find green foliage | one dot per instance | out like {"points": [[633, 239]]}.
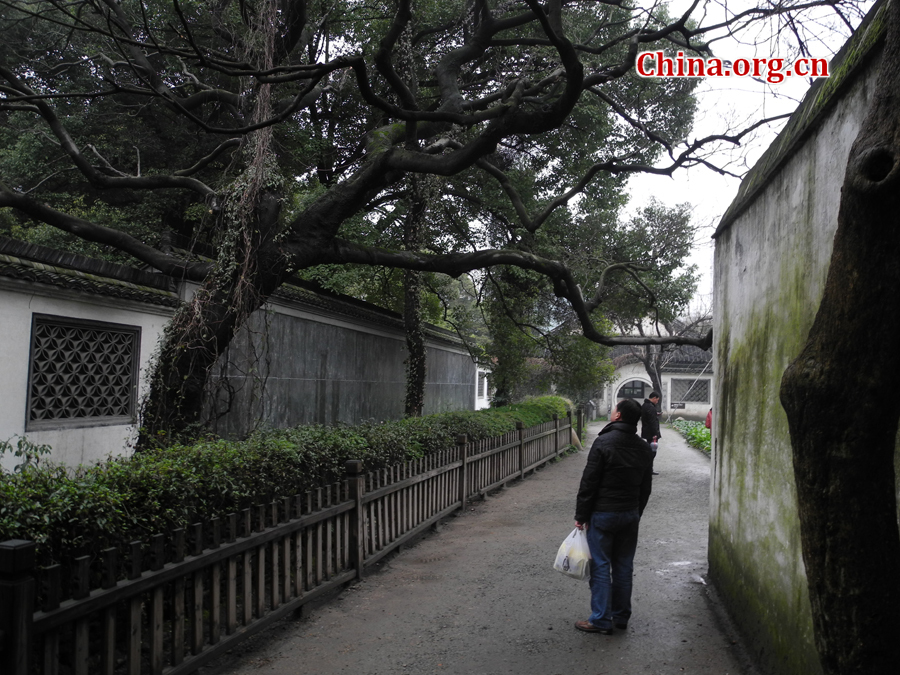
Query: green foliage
{"points": [[62, 511], [695, 433], [580, 367], [82, 511], [29, 453], [537, 410], [664, 236]]}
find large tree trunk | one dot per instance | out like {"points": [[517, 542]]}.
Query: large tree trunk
{"points": [[203, 328], [258, 261], [843, 409], [416, 361]]}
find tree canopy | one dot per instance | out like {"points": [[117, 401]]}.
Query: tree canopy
{"points": [[286, 134]]}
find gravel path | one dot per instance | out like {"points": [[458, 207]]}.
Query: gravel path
{"points": [[481, 598]]}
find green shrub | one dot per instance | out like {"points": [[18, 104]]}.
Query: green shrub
{"points": [[695, 433], [81, 511]]}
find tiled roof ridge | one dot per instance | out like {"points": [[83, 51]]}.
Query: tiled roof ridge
{"points": [[311, 294], [81, 263], [40, 263], [19, 268]]}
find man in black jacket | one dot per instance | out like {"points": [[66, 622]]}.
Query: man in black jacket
{"points": [[650, 413], [614, 490]]}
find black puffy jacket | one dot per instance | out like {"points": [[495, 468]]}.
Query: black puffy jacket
{"points": [[649, 421], [618, 475]]}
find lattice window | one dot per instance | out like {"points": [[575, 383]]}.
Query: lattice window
{"points": [[690, 391], [82, 373]]}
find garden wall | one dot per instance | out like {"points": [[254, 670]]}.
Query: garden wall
{"points": [[307, 357], [336, 362]]}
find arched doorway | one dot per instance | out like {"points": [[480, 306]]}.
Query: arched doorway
{"points": [[636, 389]]}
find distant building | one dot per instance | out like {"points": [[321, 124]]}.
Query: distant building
{"points": [[687, 382]]}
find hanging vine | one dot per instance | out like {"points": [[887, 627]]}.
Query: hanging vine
{"points": [[247, 222]]}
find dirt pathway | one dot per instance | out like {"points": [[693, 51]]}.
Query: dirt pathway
{"points": [[481, 598]]}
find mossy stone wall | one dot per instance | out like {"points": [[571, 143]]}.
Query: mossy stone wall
{"points": [[770, 268]]}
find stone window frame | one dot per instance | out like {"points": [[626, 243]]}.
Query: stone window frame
{"points": [[72, 422], [692, 385]]}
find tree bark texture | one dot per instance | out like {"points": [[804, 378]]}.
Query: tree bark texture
{"points": [[416, 360], [201, 331], [843, 410], [651, 358]]}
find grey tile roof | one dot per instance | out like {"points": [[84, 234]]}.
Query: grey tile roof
{"points": [[35, 264]]}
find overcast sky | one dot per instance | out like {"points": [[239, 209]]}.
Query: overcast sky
{"points": [[728, 103]]}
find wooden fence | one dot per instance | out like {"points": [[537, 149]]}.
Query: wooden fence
{"points": [[188, 597]]}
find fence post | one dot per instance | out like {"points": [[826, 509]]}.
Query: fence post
{"points": [[16, 605], [520, 427], [356, 481], [462, 441], [556, 434], [579, 420]]}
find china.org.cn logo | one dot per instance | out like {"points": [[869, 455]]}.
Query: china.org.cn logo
{"points": [[772, 70]]}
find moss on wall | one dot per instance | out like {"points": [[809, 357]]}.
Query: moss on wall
{"points": [[754, 544], [770, 272], [771, 264]]}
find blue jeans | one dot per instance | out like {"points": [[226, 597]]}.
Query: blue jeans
{"points": [[612, 538]]}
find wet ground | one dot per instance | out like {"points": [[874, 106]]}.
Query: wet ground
{"points": [[480, 597]]}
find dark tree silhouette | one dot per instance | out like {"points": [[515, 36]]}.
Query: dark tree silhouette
{"points": [[843, 413]]}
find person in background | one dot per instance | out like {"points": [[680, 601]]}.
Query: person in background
{"points": [[614, 490], [650, 413], [709, 419]]}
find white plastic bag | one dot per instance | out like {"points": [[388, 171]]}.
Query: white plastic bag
{"points": [[574, 556]]}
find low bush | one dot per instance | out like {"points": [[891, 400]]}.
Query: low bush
{"points": [[695, 433], [81, 511]]}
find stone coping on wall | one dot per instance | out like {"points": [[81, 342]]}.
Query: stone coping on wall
{"points": [[310, 294], [852, 59]]}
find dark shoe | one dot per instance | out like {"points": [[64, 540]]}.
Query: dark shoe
{"points": [[656, 473], [588, 627], [621, 626]]}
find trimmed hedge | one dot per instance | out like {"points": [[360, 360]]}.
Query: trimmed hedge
{"points": [[70, 512]]}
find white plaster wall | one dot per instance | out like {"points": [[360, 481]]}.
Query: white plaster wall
{"points": [[770, 268], [18, 302], [692, 409], [482, 393]]}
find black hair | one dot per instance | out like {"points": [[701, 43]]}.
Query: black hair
{"points": [[630, 410], [654, 394]]}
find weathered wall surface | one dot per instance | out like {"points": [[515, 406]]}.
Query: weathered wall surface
{"points": [[319, 367], [771, 261]]}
